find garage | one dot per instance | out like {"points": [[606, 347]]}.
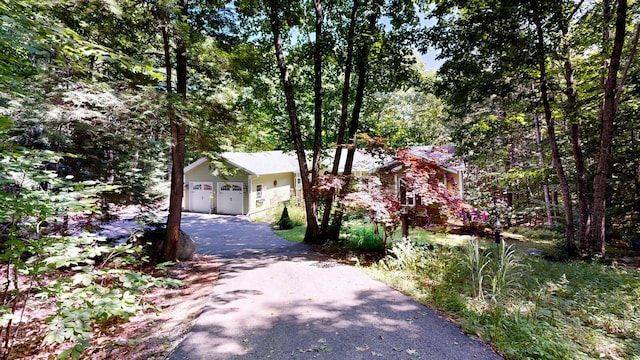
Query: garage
{"points": [[230, 198], [200, 196]]}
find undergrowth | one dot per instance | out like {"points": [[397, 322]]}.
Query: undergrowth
{"points": [[45, 260], [361, 237], [525, 306]]}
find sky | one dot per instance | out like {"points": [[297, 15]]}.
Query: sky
{"points": [[429, 58], [430, 61]]}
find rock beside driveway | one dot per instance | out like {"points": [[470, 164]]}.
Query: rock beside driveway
{"points": [[186, 245]]}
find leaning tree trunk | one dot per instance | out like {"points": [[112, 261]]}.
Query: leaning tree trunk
{"points": [[312, 233], [178, 136], [555, 152], [609, 108]]}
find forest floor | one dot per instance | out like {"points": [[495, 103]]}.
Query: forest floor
{"points": [[150, 335]]}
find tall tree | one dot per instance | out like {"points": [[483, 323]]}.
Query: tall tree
{"points": [[176, 124], [340, 44], [556, 156], [557, 52], [612, 89], [310, 198]]}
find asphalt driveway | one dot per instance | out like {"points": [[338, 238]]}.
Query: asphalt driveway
{"points": [[278, 300]]}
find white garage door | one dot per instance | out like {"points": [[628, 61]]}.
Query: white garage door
{"points": [[230, 199], [200, 196]]}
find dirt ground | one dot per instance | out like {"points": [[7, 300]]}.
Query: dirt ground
{"points": [[151, 335]]}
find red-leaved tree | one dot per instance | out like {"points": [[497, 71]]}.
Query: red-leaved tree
{"points": [[386, 196]]}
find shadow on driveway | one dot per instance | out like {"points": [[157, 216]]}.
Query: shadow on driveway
{"points": [[279, 300]]}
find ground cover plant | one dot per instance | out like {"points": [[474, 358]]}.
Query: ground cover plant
{"points": [[62, 281], [514, 298]]}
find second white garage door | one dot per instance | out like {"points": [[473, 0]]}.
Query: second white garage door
{"points": [[230, 198]]}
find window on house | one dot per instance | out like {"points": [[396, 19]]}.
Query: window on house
{"points": [[259, 192], [410, 199]]}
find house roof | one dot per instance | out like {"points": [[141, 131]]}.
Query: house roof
{"points": [[195, 164], [440, 155], [362, 160], [264, 162], [258, 163], [275, 162]]}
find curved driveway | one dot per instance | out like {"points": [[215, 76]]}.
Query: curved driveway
{"points": [[278, 300]]}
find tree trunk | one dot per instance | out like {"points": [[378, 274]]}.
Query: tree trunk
{"points": [[362, 68], [545, 188], [578, 157], [317, 236], [609, 108], [317, 93], [312, 233], [344, 113], [555, 153], [178, 136]]}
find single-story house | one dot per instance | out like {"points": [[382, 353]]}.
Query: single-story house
{"points": [[256, 181], [262, 180]]}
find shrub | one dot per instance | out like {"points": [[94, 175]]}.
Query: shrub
{"points": [[285, 222], [405, 255], [363, 238], [360, 236]]}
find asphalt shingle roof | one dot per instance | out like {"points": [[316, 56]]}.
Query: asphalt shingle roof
{"points": [[275, 162], [264, 162]]}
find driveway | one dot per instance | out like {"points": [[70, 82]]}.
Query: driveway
{"points": [[278, 300]]}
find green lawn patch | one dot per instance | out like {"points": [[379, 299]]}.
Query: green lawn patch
{"points": [[295, 235]]}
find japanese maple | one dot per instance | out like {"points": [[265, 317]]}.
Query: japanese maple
{"points": [[433, 203]]}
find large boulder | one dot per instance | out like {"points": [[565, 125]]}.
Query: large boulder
{"points": [[186, 247], [155, 240]]}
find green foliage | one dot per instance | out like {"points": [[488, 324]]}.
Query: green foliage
{"points": [[503, 273], [559, 310], [295, 214], [406, 118], [285, 221], [405, 255], [97, 293], [90, 281], [476, 261], [361, 236], [481, 264]]}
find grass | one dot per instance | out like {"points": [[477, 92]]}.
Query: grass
{"points": [[295, 235], [360, 237], [544, 310]]}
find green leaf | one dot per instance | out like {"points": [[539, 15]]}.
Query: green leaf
{"points": [[5, 123]]}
